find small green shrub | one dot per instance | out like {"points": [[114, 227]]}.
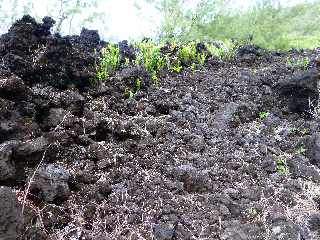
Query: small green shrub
{"points": [[263, 115], [282, 166], [293, 130], [127, 62], [299, 63], [301, 149], [109, 62], [188, 53], [155, 79], [173, 64], [149, 55], [201, 58], [303, 131], [193, 68], [176, 69]]}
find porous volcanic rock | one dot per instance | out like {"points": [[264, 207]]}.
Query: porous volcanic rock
{"points": [[55, 60], [7, 164], [301, 92], [11, 221], [50, 183]]}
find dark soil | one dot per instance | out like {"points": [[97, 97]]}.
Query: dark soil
{"points": [[191, 158]]}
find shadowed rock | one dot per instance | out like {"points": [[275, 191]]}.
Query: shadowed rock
{"points": [[12, 87], [250, 53], [127, 51], [301, 92], [313, 149], [10, 215], [7, 165]]}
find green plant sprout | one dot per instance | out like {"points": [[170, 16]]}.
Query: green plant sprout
{"points": [[173, 64], [293, 130], [193, 68], [263, 115], [201, 58], [176, 69], [127, 62], [303, 131], [155, 79], [110, 61], [128, 93], [252, 212], [301, 148], [300, 63], [138, 85], [282, 166]]}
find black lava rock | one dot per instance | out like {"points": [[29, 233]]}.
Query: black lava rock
{"points": [[301, 92]]}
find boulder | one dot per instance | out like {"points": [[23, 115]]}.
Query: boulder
{"points": [[57, 116], [16, 121], [313, 149], [11, 220], [301, 167], [244, 232], [163, 231], [301, 92], [250, 53], [7, 165], [314, 222], [286, 230], [12, 87], [234, 114], [50, 183], [31, 152], [127, 51]]}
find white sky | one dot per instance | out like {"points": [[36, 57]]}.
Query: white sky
{"points": [[126, 22], [122, 19]]}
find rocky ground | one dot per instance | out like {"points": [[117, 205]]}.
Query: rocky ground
{"points": [[228, 152]]}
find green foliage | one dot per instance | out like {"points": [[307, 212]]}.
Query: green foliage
{"points": [[149, 55], [131, 93], [155, 79], [193, 68], [305, 131], [188, 53], [225, 52], [299, 63], [201, 58], [215, 51], [302, 132], [263, 115], [127, 62], [267, 23], [293, 130], [176, 69], [282, 166], [301, 148], [137, 85], [109, 62]]}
